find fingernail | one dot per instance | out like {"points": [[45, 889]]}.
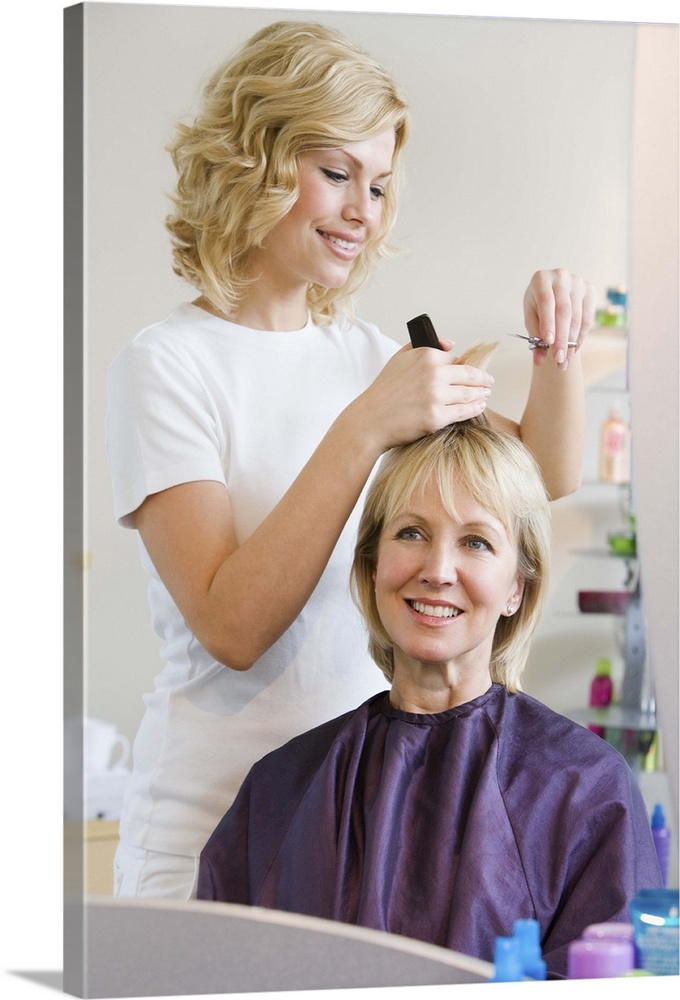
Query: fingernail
{"points": [[487, 392], [559, 357]]}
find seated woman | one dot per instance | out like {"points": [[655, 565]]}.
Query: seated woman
{"points": [[451, 805]]}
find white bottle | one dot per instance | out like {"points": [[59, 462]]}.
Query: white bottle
{"points": [[615, 449]]}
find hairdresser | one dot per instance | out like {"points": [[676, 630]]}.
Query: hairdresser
{"points": [[243, 427], [453, 804]]}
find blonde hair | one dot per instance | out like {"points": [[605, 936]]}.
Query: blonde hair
{"points": [[294, 86], [501, 475]]}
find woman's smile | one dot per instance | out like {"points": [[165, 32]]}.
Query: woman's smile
{"points": [[435, 610], [342, 246]]}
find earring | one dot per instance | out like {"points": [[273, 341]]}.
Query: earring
{"points": [[510, 609]]}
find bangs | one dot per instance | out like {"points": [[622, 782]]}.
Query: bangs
{"points": [[453, 463]]}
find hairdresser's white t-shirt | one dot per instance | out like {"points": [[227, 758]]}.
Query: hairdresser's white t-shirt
{"points": [[197, 398]]}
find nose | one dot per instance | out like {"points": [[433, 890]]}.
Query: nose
{"points": [[361, 206], [439, 567]]}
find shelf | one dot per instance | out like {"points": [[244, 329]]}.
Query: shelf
{"points": [[616, 717], [604, 482], [603, 554], [587, 615]]}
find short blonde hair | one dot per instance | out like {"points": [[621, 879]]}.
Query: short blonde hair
{"points": [[502, 476], [294, 86]]}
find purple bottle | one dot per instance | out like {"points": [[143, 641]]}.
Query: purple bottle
{"points": [[600, 958]]}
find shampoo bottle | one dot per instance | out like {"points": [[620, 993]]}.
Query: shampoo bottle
{"points": [[614, 449], [601, 690], [662, 841]]}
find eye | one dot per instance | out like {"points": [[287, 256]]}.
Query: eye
{"points": [[334, 175], [409, 534], [478, 544], [377, 192]]}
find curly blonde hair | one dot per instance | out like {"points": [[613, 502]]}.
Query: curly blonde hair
{"points": [[501, 475], [293, 86]]}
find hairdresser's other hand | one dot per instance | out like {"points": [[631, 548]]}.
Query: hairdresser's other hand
{"points": [[419, 391], [558, 307]]}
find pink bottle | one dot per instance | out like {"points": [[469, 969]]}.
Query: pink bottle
{"points": [[601, 690]]}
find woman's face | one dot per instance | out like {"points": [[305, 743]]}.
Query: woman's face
{"points": [[441, 586], [337, 213]]}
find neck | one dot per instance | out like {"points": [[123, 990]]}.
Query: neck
{"points": [[428, 688], [283, 316]]}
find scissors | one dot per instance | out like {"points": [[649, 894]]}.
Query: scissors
{"points": [[536, 342]]}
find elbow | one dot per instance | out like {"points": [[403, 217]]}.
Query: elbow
{"points": [[238, 665], [230, 653], [233, 659], [563, 486]]}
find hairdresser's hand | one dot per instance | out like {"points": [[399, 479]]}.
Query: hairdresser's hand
{"points": [[419, 392], [559, 307]]}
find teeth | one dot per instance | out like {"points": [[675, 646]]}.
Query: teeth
{"points": [[345, 244], [435, 611]]}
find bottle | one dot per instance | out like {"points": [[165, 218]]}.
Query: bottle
{"points": [[662, 840], [654, 914], [600, 958], [601, 690], [613, 930], [527, 932], [615, 313], [614, 449], [507, 961]]}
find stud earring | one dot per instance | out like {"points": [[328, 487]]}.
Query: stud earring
{"points": [[510, 609]]}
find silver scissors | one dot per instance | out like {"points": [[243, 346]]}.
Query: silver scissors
{"points": [[536, 342]]}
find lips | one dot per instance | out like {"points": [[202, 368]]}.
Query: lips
{"points": [[350, 246], [435, 610]]}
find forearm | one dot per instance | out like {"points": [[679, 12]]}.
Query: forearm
{"points": [[264, 584], [553, 424]]}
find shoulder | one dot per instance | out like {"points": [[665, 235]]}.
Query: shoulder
{"points": [[181, 326], [543, 737], [174, 351], [363, 335]]}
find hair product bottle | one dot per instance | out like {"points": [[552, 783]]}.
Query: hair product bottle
{"points": [[601, 690], [662, 841], [600, 958], [614, 448]]}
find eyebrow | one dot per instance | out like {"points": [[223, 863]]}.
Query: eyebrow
{"points": [[483, 526]]}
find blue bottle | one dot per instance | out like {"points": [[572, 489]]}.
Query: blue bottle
{"points": [[507, 961], [527, 932], [662, 841]]}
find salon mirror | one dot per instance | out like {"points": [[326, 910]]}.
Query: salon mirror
{"points": [[523, 156]]}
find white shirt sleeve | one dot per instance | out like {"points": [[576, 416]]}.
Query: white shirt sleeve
{"points": [[161, 428]]}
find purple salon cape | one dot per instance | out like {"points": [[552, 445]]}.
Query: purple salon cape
{"points": [[443, 827]]}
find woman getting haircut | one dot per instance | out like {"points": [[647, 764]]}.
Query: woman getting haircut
{"points": [[243, 427], [452, 804]]}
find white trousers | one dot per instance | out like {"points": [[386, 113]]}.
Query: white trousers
{"points": [[138, 872]]}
